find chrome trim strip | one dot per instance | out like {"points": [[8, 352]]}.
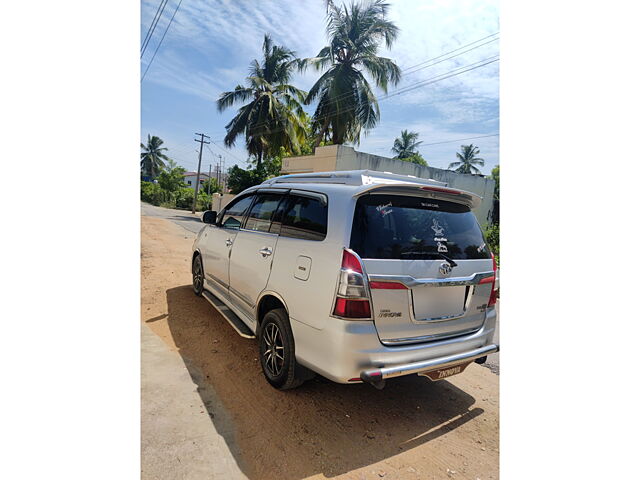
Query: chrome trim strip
{"points": [[376, 374], [218, 281], [246, 300], [411, 282], [425, 338]]}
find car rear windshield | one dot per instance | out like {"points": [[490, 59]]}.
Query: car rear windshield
{"points": [[408, 228]]}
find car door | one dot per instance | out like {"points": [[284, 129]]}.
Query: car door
{"points": [[219, 239], [253, 252]]}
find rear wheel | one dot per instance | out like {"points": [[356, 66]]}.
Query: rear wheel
{"points": [[198, 275], [277, 351]]}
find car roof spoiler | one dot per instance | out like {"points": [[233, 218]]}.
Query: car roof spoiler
{"points": [[428, 191]]}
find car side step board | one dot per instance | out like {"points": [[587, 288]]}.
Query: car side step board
{"points": [[233, 319]]}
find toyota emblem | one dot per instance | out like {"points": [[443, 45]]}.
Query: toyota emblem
{"points": [[445, 268]]}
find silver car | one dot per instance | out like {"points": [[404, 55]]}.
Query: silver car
{"points": [[358, 276]]}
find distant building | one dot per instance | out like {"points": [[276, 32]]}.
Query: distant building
{"points": [[190, 178], [340, 157]]}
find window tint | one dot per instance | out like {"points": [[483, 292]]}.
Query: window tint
{"points": [[259, 218], [232, 217], [305, 218], [408, 228]]}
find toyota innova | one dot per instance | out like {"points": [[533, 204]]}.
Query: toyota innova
{"points": [[358, 276]]}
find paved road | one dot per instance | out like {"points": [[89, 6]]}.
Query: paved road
{"points": [[184, 218], [193, 223]]}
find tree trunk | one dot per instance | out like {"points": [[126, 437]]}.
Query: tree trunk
{"points": [[322, 132]]}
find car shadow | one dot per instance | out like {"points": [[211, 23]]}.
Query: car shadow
{"points": [[334, 428], [184, 217]]}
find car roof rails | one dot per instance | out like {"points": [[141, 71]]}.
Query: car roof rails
{"points": [[353, 177]]}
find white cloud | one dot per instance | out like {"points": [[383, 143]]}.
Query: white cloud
{"points": [[210, 45]]}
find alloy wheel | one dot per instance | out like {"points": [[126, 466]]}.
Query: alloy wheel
{"points": [[198, 277], [273, 349]]}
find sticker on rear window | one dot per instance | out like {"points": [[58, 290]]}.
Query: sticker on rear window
{"points": [[442, 248], [384, 209], [437, 229]]}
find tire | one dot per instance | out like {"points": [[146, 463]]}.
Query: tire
{"points": [[197, 273], [277, 351]]}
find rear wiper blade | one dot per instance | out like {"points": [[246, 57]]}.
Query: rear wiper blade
{"points": [[437, 254]]}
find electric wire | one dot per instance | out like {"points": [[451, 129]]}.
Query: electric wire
{"points": [[160, 43], [152, 27]]}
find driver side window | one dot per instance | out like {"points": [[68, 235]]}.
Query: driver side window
{"points": [[232, 215]]}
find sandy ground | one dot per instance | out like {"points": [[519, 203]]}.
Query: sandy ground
{"points": [[413, 428]]}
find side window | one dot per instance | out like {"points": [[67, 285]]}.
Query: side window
{"points": [[259, 218], [232, 216], [304, 218]]}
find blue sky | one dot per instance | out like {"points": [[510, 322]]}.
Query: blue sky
{"points": [[209, 46]]}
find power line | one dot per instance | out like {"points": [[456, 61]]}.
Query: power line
{"points": [[449, 58], [345, 95], [452, 51], [152, 27], [160, 43], [409, 88], [227, 151], [459, 140], [444, 76]]}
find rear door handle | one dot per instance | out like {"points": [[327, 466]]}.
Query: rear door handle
{"points": [[265, 251], [228, 242]]}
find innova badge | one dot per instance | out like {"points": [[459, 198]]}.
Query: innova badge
{"points": [[445, 268]]}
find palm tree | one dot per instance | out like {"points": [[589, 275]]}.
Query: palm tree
{"points": [[468, 160], [346, 103], [405, 145], [152, 156], [270, 119]]}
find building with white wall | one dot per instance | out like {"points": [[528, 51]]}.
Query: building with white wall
{"points": [[340, 157]]}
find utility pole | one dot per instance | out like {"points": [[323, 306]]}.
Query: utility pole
{"points": [[218, 169], [221, 173], [223, 179], [209, 182], [195, 194]]}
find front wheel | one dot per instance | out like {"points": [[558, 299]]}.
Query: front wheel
{"points": [[198, 275], [277, 351]]}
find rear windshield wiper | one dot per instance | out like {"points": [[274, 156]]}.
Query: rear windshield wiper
{"points": [[437, 254]]}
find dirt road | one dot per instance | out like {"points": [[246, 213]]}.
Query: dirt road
{"points": [[411, 429]]}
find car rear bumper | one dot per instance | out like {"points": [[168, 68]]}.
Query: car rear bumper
{"points": [[376, 375], [343, 350]]}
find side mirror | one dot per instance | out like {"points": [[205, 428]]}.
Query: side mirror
{"points": [[209, 217]]}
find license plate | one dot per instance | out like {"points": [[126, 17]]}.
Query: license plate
{"points": [[445, 372]]}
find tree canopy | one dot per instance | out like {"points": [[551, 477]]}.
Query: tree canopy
{"points": [[346, 102], [271, 117], [152, 157], [467, 160]]}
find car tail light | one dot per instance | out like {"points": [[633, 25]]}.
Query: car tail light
{"points": [[494, 293], [352, 296]]}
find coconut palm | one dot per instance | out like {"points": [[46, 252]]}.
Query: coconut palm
{"points": [[406, 145], [346, 103], [467, 161], [270, 119], [152, 157]]}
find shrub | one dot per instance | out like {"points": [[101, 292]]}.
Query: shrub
{"points": [[492, 236], [184, 198], [152, 193]]}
